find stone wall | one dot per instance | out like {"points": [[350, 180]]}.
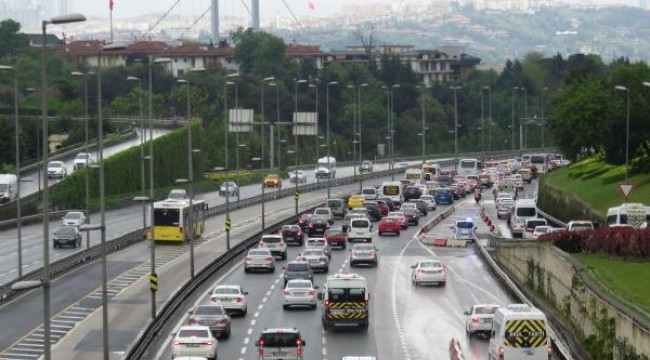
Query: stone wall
{"points": [[553, 276]]}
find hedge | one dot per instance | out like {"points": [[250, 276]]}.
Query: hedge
{"points": [[617, 241]]}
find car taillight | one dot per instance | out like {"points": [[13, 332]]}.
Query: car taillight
{"points": [[213, 298], [326, 303], [311, 225], [268, 259], [354, 253], [501, 352], [176, 342], [222, 321], [474, 319], [327, 225], [262, 245], [367, 303], [286, 293], [420, 271], [248, 259], [239, 299], [312, 292], [192, 321], [209, 343], [414, 216], [442, 271]]}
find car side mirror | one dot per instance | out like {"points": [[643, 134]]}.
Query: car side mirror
{"points": [[245, 292], [303, 342], [465, 312], [316, 286], [412, 266]]}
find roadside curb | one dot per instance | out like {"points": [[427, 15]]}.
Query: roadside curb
{"points": [[435, 241]]}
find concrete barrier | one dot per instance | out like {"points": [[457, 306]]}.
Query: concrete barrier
{"points": [[457, 243], [455, 353]]}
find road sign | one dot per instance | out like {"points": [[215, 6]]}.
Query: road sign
{"points": [[153, 282], [228, 224], [626, 188], [296, 195], [360, 177]]}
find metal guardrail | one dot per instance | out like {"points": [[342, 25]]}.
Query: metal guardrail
{"points": [[554, 221]]}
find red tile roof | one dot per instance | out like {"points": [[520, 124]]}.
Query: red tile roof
{"points": [[297, 49]]}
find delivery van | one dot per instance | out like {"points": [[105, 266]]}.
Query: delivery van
{"points": [[519, 332]]}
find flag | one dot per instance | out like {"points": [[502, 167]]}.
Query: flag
{"points": [[111, 4], [311, 5]]}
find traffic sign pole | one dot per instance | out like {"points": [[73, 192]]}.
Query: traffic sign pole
{"points": [[626, 189]]}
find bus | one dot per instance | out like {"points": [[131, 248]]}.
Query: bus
{"points": [[631, 214], [393, 191], [415, 176], [171, 219], [540, 161], [468, 167]]}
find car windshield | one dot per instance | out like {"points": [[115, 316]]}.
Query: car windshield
{"points": [[72, 216], [291, 228], [485, 310], [464, 224], [209, 310], [363, 248], [312, 252], [542, 229], [259, 253], [389, 220], [299, 284], [347, 294], [334, 203], [271, 240], [65, 231], [280, 339], [430, 264], [526, 211], [3, 187], [395, 214], [581, 227], [408, 205], [305, 217], [319, 218], [298, 267], [369, 191], [360, 223], [535, 223], [333, 232], [56, 165], [194, 333], [322, 211], [316, 242], [226, 291], [228, 184]]}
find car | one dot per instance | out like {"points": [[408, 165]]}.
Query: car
{"points": [[74, 218], [360, 229], [412, 215], [81, 159], [580, 225], [297, 270], [346, 220], [355, 201], [280, 343], [540, 230], [444, 195], [412, 192], [66, 235], [259, 259], [316, 258], [298, 176], [478, 319], [304, 220], [370, 193], [325, 211], [213, 316], [359, 357], [276, 244], [299, 292], [56, 169], [232, 297], [229, 188], [319, 243], [318, 224], [383, 207], [366, 166], [504, 208], [399, 215], [428, 271], [194, 340], [361, 211], [429, 201], [374, 211], [503, 196], [336, 237], [364, 254], [532, 223], [177, 194], [273, 180], [292, 234], [420, 206], [389, 224], [338, 207], [390, 203]]}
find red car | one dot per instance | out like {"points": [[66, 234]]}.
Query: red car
{"points": [[383, 207], [336, 237], [304, 221], [390, 224]]}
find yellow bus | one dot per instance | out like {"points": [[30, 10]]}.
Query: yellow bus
{"points": [[171, 219]]}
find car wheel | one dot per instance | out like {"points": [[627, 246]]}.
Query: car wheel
{"points": [[326, 270], [243, 313], [285, 307], [226, 335], [398, 233], [313, 307], [273, 270], [55, 245], [443, 283], [380, 233], [246, 270]]}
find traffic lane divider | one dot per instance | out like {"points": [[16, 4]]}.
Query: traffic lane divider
{"points": [[455, 353]]}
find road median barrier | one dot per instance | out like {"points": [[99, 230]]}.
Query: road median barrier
{"points": [[455, 353], [494, 230], [456, 243], [436, 240]]}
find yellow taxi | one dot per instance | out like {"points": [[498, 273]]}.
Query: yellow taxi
{"points": [[355, 201], [273, 180]]}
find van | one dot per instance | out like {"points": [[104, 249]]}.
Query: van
{"points": [[526, 174], [634, 214], [345, 299], [360, 229], [519, 332], [369, 193], [8, 187], [524, 209], [338, 207]]}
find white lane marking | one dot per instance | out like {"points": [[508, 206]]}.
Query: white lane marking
{"points": [[249, 331], [253, 322], [264, 300], [246, 340], [257, 314], [243, 351], [268, 293], [393, 295]]}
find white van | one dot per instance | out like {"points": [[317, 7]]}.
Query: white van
{"points": [[524, 209], [393, 191], [326, 167], [369, 193], [519, 332], [618, 215], [360, 229], [8, 187]]}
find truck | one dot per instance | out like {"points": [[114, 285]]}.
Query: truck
{"points": [[326, 167], [8, 187]]}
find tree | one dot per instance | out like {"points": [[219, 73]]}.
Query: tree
{"points": [[11, 40], [261, 54]]}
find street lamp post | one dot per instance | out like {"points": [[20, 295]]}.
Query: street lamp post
{"points": [[423, 134], [142, 156], [490, 116], [295, 137], [522, 129], [455, 88], [45, 282], [512, 124], [226, 160], [262, 138], [627, 127], [359, 122], [482, 122], [315, 87], [257, 159], [354, 130], [327, 134]]}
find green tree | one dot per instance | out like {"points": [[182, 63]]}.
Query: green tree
{"points": [[261, 54], [11, 39]]}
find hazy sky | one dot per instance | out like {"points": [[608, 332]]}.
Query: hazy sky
{"points": [[129, 8]]}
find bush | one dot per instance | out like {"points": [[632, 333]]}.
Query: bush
{"points": [[614, 175], [624, 242], [592, 173]]}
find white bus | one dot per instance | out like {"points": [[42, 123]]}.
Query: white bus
{"points": [[468, 167], [393, 191], [540, 161], [416, 176]]}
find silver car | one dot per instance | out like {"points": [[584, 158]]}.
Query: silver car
{"points": [[316, 258], [213, 316], [232, 297], [364, 254], [230, 188], [299, 292], [478, 319], [429, 272], [56, 169], [257, 259], [74, 218], [194, 340], [319, 243]]}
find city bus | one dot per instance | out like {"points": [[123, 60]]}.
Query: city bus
{"points": [[468, 167], [540, 161], [415, 176], [171, 219]]}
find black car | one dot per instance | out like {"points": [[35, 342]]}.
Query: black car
{"points": [[66, 235], [389, 203], [293, 235], [412, 216], [304, 221], [297, 270], [318, 225], [374, 212], [412, 192]]}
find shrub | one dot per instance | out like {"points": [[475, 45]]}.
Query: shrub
{"points": [[614, 175], [625, 242]]}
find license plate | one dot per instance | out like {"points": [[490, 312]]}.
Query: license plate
{"points": [[529, 351], [300, 293], [280, 353], [192, 345]]}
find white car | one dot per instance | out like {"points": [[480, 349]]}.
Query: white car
{"points": [[56, 169], [259, 259], [177, 194], [325, 211], [316, 258], [429, 272], [276, 244], [229, 188], [194, 341], [300, 292], [364, 254], [74, 218], [232, 297], [479, 319], [319, 243], [540, 230], [429, 200], [298, 174], [81, 160]]}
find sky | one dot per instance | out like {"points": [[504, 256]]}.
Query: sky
{"points": [[268, 8]]}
